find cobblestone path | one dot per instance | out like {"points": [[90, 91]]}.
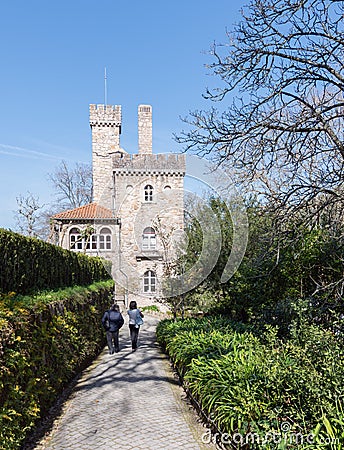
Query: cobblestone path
{"points": [[128, 401]]}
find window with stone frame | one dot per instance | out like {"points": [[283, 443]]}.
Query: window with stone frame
{"points": [[149, 239], [148, 193], [149, 282]]}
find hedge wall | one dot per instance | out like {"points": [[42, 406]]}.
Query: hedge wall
{"points": [[29, 264], [42, 348]]}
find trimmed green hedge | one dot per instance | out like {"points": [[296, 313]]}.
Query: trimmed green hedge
{"points": [[29, 264], [42, 348]]}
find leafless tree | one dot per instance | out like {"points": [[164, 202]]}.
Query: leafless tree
{"points": [[281, 134], [73, 188], [28, 214], [169, 266], [73, 185]]}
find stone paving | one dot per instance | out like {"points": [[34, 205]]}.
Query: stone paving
{"points": [[128, 401]]}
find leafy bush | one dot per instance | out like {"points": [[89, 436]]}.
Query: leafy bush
{"points": [[249, 383], [29, 264], [150, 308], [280, 267], [44, 343], [330, 434]]}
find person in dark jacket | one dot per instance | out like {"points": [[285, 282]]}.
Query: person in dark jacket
{"points": [[112, 321]]}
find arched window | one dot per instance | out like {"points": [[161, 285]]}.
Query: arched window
{"points": [[75, 239], [149, 282], [80, 240], [148, 239], [105, 239], [148, 193]]}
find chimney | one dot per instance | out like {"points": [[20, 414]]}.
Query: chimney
{"points": [[145, 129]]}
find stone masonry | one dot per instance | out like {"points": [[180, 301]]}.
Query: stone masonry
{"points": [[105, 122], [137, 213], [164, 213], [145, 129]]}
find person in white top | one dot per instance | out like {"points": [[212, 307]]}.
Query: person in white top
{"points": [[135, 319]]}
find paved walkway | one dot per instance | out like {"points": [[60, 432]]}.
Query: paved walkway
{"points": [[128, 401]]}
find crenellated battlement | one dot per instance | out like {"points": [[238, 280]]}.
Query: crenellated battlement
{"points": [[112, 165], [149, 163], [105, 115]]}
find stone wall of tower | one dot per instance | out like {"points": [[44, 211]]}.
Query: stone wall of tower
{"points": [[119, 181], [145, 129], [105, 122], [165, 173]]}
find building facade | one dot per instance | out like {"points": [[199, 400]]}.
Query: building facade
{"points": [[137, 214]]}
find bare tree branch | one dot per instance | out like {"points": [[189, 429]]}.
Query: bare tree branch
{"points": [[28, 214], [73, 186], [282, 136]]}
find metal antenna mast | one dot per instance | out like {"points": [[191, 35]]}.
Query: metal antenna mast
{"points": [[105, 87]]}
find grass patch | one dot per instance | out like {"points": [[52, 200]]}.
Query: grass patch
{"points": [[42, 298], [150, 308]]}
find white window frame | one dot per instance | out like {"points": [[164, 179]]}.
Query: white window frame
{"points": [[105, 239], [149, 239], [101, 241], [149, 282]]}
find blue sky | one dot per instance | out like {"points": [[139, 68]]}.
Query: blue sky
{"points": [[53, 56]]}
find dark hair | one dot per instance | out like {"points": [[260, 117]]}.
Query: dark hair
{"points": [[133, 305], [115, 307]]}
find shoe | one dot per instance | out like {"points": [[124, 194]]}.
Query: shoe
{"points": [[116, 350]]}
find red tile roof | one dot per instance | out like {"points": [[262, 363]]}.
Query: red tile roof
{"points": [[90, 211]]}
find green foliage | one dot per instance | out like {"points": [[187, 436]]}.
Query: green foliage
{"points": [[330, 434], [150, 308], [29, 264], [41, 299], [250, 382], [44, 343], [280, 268]]}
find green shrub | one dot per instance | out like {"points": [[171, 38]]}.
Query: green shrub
{"points": [[330, 434], [44, 343], [29, 264], [150, 308], [250, 383]]}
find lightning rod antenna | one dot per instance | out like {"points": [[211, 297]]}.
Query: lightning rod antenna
{"points": [[105, 86]]}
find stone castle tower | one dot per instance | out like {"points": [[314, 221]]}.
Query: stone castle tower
{"points": [[137, 214]]}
